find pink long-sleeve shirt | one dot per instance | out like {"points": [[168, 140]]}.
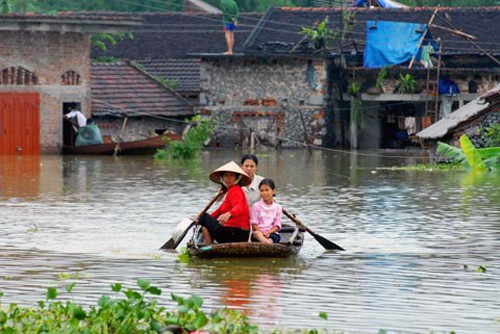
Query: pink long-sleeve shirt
{"points": [[266, 216]]}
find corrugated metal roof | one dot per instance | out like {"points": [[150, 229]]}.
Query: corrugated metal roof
{"points": [[473, 108]]}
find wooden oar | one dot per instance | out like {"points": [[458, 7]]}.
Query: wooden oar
{"points": [[323, 241], [173, 243]]}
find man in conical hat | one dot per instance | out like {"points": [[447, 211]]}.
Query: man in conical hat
{"points": [[231, 221]]}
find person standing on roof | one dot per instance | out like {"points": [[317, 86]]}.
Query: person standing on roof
{"points": [[230, 14]]}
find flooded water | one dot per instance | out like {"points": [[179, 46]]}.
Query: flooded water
{"points": [[413, 240]]}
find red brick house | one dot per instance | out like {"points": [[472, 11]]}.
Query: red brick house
{"points": [[45, 67]]}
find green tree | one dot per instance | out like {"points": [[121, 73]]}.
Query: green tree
{"points": [[53, 6], [191, 144]]}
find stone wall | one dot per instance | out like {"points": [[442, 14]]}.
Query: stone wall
{"points": [[137, 128], [280, 101], [474, 129], [49, 55]]}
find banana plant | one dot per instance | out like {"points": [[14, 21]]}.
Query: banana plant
{"points": [[479, 159]]}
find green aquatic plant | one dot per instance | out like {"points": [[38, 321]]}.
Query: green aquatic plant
{"points": [[184, 255], [192, 143], [426, 167], [128, 311], [481, 269]]}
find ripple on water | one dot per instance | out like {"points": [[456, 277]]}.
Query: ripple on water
{"points": [[413, 241]]}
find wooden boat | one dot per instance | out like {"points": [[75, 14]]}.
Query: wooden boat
{"points": [[146, 146], [292, 239]]}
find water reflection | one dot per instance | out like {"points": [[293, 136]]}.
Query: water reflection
{"points": [[19, 176], [254, 286]]}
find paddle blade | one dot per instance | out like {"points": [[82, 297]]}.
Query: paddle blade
{"points": [[179, 233], [327, 243], [170, 244]]}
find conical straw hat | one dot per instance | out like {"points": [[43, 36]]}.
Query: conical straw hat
{"points": [[230, 167]]}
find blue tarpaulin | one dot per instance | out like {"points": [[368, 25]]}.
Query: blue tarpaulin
{"points": [[391, 43], [381, 3]]}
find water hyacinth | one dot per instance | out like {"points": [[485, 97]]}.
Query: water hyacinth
{"points": [[129, 311]]}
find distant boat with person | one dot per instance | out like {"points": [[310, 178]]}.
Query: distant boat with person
{"points": [[144, 146]]}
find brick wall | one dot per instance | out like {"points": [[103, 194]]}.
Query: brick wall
{"points": [[49, 55], [282, 101]]}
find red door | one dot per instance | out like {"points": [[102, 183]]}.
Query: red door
{"points": [[19, 123]]}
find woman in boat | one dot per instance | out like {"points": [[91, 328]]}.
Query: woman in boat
{"points": [[249, 164], [265, 216], [231, 221]]}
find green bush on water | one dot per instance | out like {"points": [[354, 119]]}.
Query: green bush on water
{"points": [[192, 142], [129, 311]]}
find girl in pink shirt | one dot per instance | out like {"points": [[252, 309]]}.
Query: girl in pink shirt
{"points": [[265, 215]]}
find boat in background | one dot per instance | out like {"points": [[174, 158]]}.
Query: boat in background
{"points": [[145, 146], [292, 239]]}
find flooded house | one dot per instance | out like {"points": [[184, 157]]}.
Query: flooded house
{"points": [[129, 104], [45, 69], [471, 119], [282, 89], [290, 92]]}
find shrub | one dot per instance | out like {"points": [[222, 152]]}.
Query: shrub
{"points": [[191, 144]]}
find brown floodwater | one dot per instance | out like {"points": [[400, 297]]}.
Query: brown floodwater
{"points": [[413, 239]]}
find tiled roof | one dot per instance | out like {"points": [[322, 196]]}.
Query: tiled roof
{"points": [[176, 35], [459, 116], [121, 89], [185, 71], [281, 27], [69, 21]]}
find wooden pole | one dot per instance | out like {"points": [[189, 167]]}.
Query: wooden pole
{"points": [[306, 138], [423, 37], [120, 137], [453, 31], [475, 44]]}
